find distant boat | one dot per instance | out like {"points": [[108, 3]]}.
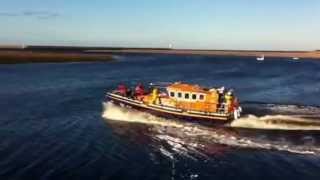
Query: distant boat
{"points": [[260, 58], [295, 58]]}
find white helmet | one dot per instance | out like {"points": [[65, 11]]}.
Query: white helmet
{"points": [[221, 90]]}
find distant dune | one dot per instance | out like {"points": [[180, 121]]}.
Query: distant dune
{"points": [[38, 54], [11, 47], [26, 56]]}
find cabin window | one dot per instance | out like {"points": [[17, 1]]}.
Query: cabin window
{"points": [[172, 94], [186, 95], [194, 96], [201, 97], [179, 95]]}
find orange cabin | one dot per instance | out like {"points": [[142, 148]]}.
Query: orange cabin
{"points": [[193, 97]]}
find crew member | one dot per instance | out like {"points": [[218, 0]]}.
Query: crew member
{"points": [[139, 91], [155, 96], [235, 103], [123, 90], [229, 101], [221, 92]]}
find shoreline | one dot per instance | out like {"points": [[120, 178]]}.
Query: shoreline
{"points": [[236, 53], [26, 56], [61, 54]]}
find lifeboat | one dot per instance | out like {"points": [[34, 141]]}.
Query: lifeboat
{"points": [[179, 100]]}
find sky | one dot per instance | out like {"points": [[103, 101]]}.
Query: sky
{"points": [[191, 24]]}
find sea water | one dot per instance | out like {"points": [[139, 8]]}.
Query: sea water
{"points": [[54, 123]]}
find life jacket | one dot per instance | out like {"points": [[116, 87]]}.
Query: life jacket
{"points": [[229, 102], [155, 96]]}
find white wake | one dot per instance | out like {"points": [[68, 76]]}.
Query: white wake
{"points": [[190, 139], [116, 113], [277, 122]]}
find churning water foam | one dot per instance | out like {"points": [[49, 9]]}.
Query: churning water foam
{"points": [[113, 112], [276, 122], [186, 135]]}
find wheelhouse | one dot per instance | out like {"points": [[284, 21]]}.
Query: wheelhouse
{"points": [[193, 97]]}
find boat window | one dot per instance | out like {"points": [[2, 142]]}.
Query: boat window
{"points": [[179, 95], [194, 96], [186, 95], [172, 94], [201, 97]]}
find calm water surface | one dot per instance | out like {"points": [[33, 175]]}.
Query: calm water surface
{"points": [[54, 124]]}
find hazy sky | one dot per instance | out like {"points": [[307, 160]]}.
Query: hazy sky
{"points": [[204, 24]]}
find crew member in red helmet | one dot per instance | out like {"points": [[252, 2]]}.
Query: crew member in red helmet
{"points": [[123, 90], [139, 91]]}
